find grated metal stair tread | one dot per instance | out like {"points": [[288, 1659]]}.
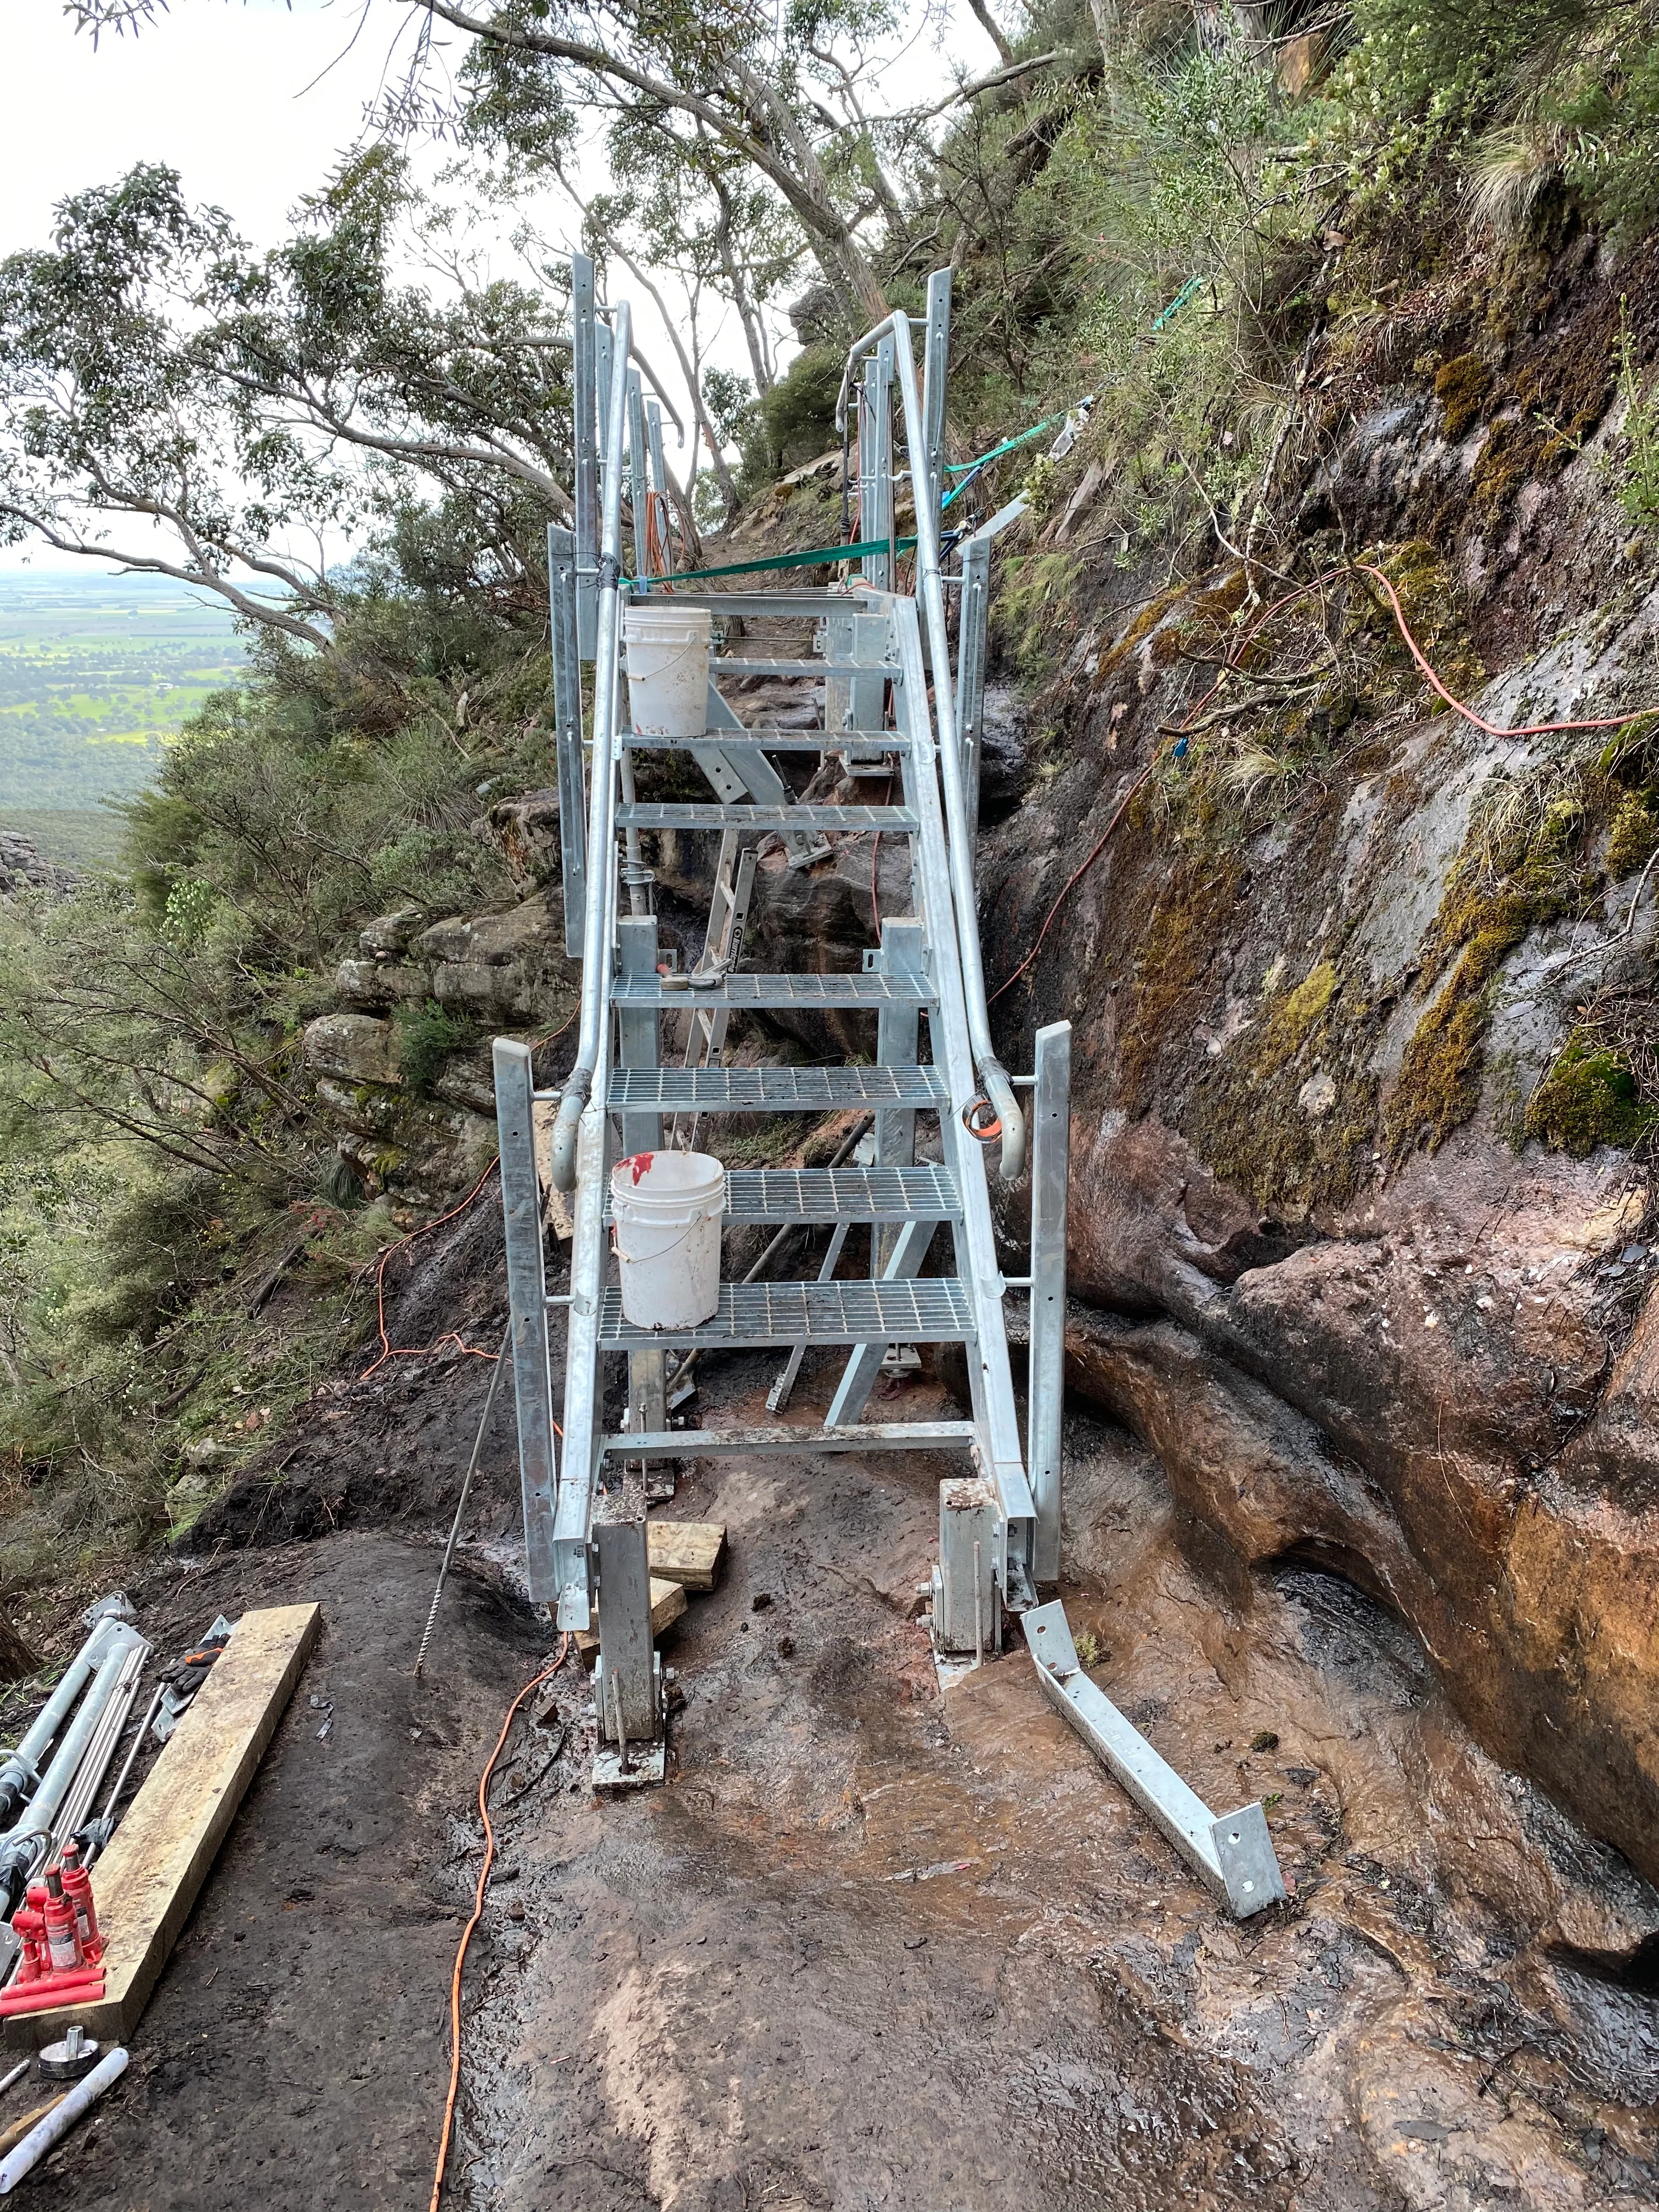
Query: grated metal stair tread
{"points": [[932, 1309], [897, 819], [720, 664], [874, 742], [736, 991], [823, 1195], [796, 1436], [771, 1090]]}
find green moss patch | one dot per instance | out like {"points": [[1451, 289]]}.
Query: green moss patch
{"points": [[1589, 1097], [1461, 386]]}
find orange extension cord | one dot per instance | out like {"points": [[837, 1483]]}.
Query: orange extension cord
{"points": [[1426, 668], [535, 1683]]}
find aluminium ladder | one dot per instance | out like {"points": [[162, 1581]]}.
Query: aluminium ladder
{"points": [[892, 701]]}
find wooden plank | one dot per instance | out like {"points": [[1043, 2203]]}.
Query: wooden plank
{"points": [[668, 1603], [145, 1883], [686, 1551]]}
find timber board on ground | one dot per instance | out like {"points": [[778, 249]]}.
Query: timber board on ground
{"points": [[146, 1882]]}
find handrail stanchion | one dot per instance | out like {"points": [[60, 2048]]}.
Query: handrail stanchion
{"points": [[931, 592], [602, 798]]}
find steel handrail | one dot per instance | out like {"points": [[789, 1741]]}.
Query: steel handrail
{"points": [[989, 1069], [602, 800]]}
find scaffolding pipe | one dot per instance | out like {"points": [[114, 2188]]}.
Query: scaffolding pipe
{"points": [[602, 798], [22, 1769], [23, 1847]]}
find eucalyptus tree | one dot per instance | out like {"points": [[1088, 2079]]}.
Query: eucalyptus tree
{"points": [[793, 92], [241, 412]]}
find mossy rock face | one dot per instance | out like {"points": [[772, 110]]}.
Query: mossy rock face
{"points": [[1461, 386], [1633, 837], [1175, 963], [1589, 1098], [1289, 1112]]}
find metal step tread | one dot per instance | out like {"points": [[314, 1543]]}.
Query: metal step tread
{"points": [[736, 991], [933, 1309], [772, 1194], [796, 1436], [720, 664], [775, 741], [771, 1090], [705, 817]]}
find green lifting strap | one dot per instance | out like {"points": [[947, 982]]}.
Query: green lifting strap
{"points": [[819, 556]]}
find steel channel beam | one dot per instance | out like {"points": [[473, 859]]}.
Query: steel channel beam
{"points": [[976, 1242], [898, 1035], [658, 486], [567, 726], [1046, 1387], [585, 403], [639, 1029], [971, 635], [902, 1265], [867, 1437], [638, 480], [626, 1677], [935, 372], [574, 1519], [526, 1293], [750, 774], [1232, 1854]]}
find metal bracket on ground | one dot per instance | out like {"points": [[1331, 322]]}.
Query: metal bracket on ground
{"points": [[1233, 1856]]}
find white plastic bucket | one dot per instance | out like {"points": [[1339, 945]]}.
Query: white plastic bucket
{"points": [[668, 668], [667, 1209]]}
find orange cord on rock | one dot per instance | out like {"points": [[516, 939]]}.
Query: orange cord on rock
{"points": [[1426, 668], [534, 1683], [416, 1351]]}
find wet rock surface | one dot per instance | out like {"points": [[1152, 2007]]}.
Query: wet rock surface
{"points": [[866, 1945], [1317, 1157]]}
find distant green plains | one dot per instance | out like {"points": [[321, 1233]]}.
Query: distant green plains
{"points": [[97, 673]]}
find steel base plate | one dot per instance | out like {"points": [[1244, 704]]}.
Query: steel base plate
{"points": [[647, 1763]]}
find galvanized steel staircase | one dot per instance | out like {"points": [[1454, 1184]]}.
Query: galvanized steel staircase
{"points": [[893, 699]]}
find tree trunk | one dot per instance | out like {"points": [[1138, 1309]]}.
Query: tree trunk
{"points": [[17, 1661], [993, 31]]}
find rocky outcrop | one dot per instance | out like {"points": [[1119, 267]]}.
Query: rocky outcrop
{"points": [[23, 868], [505, 969], [402, 1070], [1361, 999]]}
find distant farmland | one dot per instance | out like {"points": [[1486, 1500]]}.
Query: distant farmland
{"points": [[95, 671]]}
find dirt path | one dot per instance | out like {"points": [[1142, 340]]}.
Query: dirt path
{"points": [[866, 1949], [296, 2053]]}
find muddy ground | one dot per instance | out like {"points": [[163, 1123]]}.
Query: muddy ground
{"points": [[868, 1948]]}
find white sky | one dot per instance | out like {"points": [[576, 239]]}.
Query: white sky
{"points": [[240, 97]]}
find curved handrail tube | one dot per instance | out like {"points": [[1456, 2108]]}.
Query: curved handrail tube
{"points": [[602, 798], [931, 592]]}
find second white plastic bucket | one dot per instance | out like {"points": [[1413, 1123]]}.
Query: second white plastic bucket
{"points": [[667, 1209], [667, 650]]}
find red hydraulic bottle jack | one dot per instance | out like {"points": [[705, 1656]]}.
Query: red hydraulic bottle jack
{"points": [[55, 1969]]}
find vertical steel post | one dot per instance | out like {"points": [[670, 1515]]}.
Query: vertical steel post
{"points": [[877, 475], [585, 400], [627, 1673], [972, 625], [526, 1293], [567, 726], [639, 1031], [1051, 1150], [899, 1029], [936, 366], [638, 483], [658, 472]]}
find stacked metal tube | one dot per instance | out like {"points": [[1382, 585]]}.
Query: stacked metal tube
{"points": [[36, 1805]]}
